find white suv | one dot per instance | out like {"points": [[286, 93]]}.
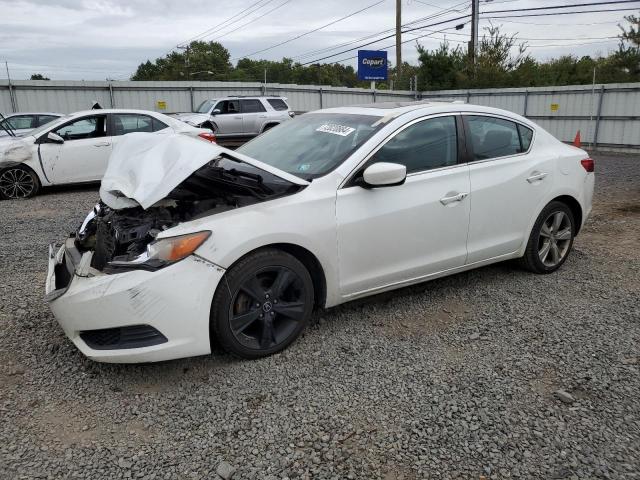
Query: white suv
{"points": [[239, 118]]}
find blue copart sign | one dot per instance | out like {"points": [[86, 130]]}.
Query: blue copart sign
{"points": [[372, 65]]}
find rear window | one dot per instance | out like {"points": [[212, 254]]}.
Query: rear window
{"points": [[526, 134], [278, 104]]}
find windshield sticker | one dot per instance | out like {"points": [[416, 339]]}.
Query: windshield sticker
{"points": [[341, 130]]}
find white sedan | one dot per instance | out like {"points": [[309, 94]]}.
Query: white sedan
{"points": [[193, 243], [75, 148]]}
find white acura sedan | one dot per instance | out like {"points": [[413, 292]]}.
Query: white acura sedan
{"points": [[75, 148], [193, 243]]}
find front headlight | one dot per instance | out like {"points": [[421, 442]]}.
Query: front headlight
{"points": [[165, 251]]}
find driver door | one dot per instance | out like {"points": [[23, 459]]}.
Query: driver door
{"points": [[229, 120], [395, 234], [84, 154]]}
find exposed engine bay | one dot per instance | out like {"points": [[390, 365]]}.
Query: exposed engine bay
{"points": [[220, 185]]}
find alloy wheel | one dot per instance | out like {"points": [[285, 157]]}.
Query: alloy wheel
{"points": [[16, 183], [555, 238], [267, 308]]}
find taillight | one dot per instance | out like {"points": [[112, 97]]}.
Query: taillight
{"points": [[588, 164], [209, 137]]}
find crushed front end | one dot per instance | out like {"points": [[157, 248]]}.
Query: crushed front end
{"points": [[124, 290]]}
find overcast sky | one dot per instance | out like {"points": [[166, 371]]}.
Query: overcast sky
{"points": [[98, 39]]}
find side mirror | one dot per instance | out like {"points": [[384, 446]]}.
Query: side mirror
{"points": [[384, 174], [215, 111], [54, 138]]}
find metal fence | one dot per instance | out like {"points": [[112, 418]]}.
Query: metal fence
{"points": [[606, 115]]}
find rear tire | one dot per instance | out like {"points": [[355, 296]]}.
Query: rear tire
{"points": [[18, 182], [551, 239], [262, 304]]}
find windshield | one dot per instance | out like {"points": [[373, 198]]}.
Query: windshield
{"points": [[313, 144], [205, 106], [37, 131]]}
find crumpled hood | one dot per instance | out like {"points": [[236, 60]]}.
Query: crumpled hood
{"points": [[192, 118], [15, 150], [143, 169]]}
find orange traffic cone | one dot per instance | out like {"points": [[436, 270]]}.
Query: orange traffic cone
{"points": [[576, 141]]}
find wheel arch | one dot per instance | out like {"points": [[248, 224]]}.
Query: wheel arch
{"points": [[26, 166], [574, 206], [310, 262], [268, 125]]}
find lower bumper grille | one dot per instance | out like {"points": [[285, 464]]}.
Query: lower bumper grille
{"points": [[133, 336]]}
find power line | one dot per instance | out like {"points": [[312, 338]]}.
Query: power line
{"points": [[413, 22], [252, 20], [558, 13], [386, 37], [313, 31], [220, 26], [554, 7]]}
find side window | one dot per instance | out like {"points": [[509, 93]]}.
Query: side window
{"points": [[228, 106], [278, 104], [526, 134], [158, 125], [252, 106], [22, 121], [87, 127], [493, 137], [424, 145], [44, 119], [124, 123]]}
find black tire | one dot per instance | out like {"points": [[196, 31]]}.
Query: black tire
{"points": [[541, 237], [18, 182], [268, 297], [210, 126]]}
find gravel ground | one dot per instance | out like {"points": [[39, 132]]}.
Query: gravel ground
{"points": [[457, 378]]}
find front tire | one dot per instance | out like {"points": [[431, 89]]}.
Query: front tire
{"points": [[18, 182], [262, 304], [551, 239]]}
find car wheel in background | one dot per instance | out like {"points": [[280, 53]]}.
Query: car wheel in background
{"points": [[262, 305], [551, 239], [18, 182]]}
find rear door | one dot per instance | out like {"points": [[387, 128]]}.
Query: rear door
{"points": [[509, 180], [124, 123], [84, 154], [253, 115]]}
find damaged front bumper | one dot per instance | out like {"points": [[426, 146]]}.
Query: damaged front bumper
{"points": [[134, 316]]}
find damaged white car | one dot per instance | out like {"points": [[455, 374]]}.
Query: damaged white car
{"points": [[193, 243], [75, 148]]}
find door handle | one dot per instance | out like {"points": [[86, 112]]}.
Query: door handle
{"points": [[263, 116], [238, 118], [536, 176], [101, 144], [458, 197]]}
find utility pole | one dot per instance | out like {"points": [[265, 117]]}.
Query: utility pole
{"points": [[475, 18], [398, 39], [186, 49], [14, 106]]}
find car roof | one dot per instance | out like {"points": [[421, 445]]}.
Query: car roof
{"points": [[33, 113], [98, 111], [395, 109]]}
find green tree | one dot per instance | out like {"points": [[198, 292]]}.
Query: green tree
{"points": [[38, 76], [199, 61], [627, 58]]}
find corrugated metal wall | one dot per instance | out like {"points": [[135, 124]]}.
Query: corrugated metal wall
{"points": [[607, 114]]}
